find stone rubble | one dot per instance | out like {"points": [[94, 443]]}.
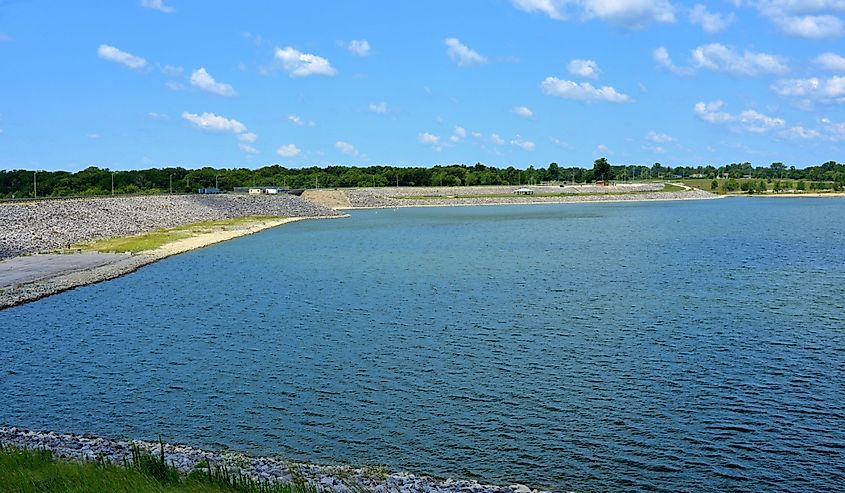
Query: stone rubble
{"points": [[341, 479], [48, 225]]}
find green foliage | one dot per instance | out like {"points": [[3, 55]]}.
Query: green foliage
{"points": [[731, 185], [714, 185], [801, 185], [93, 180]]}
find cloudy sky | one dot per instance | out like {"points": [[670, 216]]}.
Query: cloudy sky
{"points": [[140, 83]]}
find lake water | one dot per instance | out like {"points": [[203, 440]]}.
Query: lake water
{"points": [[633, 346]]}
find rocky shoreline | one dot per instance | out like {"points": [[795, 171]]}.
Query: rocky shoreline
{"points": [[342, 479]]}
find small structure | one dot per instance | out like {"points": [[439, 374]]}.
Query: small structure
{"points": [[258, 190], [207, 191], [524, 191]]}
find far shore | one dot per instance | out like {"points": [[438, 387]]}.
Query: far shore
{"points": [[70, 276]]}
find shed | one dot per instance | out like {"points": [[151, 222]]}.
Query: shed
{"points": [[524, 191]]}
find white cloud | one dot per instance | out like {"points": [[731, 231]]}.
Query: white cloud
{"points": [[379, 108], [812, 26], [747, 121], [296, 120], [711, 112], [562, 144], [215, 123], [248, 149], [496, 139], [93, 136], [460, 132], [583, 91], [462, 54], [429, 139], [633, 14], [756, 122], [152, 115], [346, 148], [813, 19], [174, 86], [298, 64], [288, 150], [710, 22], [828, 91], [799, 132], [172, 70], [659, 138], [601, 148], [661, 56], [201, 79], [158, 5], [113, 54], [721, 58], [247, 137], [359, 47], [523, 111], [525, 145], [584, 68], [831, 61]]}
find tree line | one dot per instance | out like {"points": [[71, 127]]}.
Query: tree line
{"points": [[103, 181]]}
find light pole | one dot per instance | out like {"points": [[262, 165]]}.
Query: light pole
{"points": [[35, 184], [171, 183], [215, 182]]}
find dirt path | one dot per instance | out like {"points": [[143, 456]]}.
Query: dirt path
{"points": [[335, 199]]}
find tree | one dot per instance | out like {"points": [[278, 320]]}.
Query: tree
{"points": [[714, 185], [601, 169]]}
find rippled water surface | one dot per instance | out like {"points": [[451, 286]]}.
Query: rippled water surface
{"points": [[645, 346]]}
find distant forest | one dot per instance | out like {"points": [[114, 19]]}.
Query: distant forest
{"points": [[99, 181]]}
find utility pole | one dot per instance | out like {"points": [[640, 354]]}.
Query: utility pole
{"points": [[171, 183], [112, 182], [215, 182], [35, 184]]}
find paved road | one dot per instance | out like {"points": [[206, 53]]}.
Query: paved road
{"points": [[26, 269]]}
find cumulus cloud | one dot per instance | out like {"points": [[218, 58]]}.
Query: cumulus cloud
{"points": [[633, 14], [429, 139], [523, 111], [584, 68], [215, 123], [813, 19], [831, 61], [754, 121], [710, 22], [661, 56], [247, 137], [201, 79], [174, 86], [248, 149], [379, 108], [157, 5], [346, 148], [298, 64], [461, 54], [296, 120], [747, 121], [799, 132], [721, 58], [525, 145], [711, 112], [583, 91], [288, 150], [152, 115], [659, 138], [359, 47], [496, 139], [113, 54], [830, 90]]}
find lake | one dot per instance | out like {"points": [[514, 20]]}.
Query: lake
{"points": [[695, 345]]}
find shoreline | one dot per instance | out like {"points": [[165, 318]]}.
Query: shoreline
{"points": [[26, 292], [273, 469]]}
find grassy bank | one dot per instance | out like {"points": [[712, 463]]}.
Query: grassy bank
{"points": [[25, 471], [158, 238]]}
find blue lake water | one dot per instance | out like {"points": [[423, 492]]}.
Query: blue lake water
{"points": [[634, 346]]}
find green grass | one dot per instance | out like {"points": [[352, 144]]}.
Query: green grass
{"points": [[25, 471], [156, 239], [704, 184], [668, 187]]}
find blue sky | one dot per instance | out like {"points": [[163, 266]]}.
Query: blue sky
{"points": [[142, 83]]}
